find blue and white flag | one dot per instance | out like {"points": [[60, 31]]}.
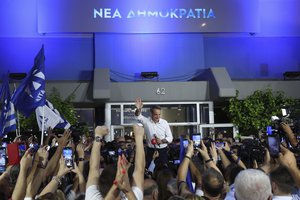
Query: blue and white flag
{"points": [[31, 92], [52, 117], [8, 117]]}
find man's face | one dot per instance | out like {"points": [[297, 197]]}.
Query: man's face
{"points": [[155, 115]]}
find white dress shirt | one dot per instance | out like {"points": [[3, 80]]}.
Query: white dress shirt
{"points": [[161, 129]]}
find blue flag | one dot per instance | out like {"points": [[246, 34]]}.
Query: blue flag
{"points": [[181, 157], [31, 92], [7, 118]]}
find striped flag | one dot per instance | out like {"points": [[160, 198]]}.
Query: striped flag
{"points": [[7, 118], [52, 117]]}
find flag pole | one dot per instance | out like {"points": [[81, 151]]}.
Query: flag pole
{"points": [[18, 132], [43, 126]]}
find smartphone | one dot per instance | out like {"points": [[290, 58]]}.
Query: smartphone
{"points": [[176, 162], [4, 144], [283, 111], [34, 147], [269, 130], [120, 151], [22, 149], [185, 143], [68, 156], [2, 159], [273, 146], [219, 145], [111, 153], [196, 139]]}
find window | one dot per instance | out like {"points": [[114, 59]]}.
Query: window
{"points": [[183, 117]]}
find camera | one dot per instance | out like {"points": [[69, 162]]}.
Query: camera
{"points": [[250, 150], [289, 117], [111, 151]]}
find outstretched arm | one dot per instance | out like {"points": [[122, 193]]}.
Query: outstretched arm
{"points": [[208, 161], [266, 167], [53, 162], [5, 174], [290, 135], [56, 180], [288, 160], [79, 172], [20, 188], [94, 173], [139, 169], [183, 169], [225, 161], [35, 178], [196, 174], [234, 157]]}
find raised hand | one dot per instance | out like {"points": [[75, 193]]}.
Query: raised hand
{"points": [[26, 161], [287, 158], [226, 147], [101, 131], [213, 151], [80, 150], [138, 103], [122, 180], [17, 139], [76, 170], [63, 169], [190, 148], [286, 128], [42, 154], [63, 141]]}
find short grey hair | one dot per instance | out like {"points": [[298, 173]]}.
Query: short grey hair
{"points": [[252, 184]]}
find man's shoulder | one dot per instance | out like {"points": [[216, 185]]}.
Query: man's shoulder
{"points": [[163, 121]]}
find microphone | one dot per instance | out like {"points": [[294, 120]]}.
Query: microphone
{"points": [[156, 140], [153, 142]]}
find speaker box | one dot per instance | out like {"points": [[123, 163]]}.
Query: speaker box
{"points": [[293, 75]]}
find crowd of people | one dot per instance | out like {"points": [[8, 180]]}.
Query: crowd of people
{"points": [[143, 167]]}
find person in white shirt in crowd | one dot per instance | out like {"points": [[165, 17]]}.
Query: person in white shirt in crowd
{"points": [[121, 187], [157, 129]]}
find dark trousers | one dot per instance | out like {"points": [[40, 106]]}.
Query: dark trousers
{"points": [[162, 158]]}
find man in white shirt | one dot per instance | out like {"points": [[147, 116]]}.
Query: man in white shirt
{"points": [[157, 129]]}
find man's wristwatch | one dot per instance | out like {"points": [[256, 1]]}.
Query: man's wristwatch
{"points": [[98, 138]]}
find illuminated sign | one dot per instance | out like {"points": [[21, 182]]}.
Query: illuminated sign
{"points": [[147, 16], [171, 13]]}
